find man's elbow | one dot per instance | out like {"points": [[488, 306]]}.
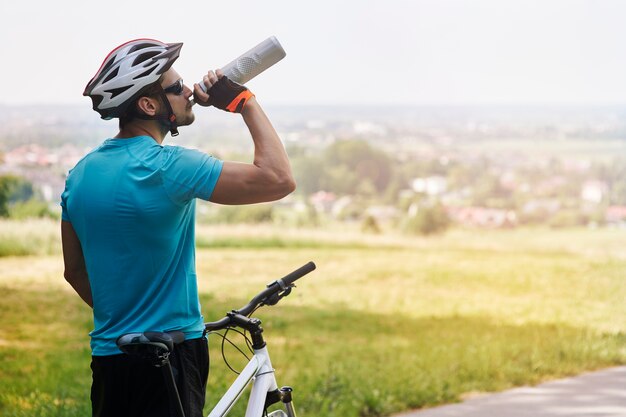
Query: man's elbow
{"points": [[70, 276], [282, 187], [75, 276], [290, 185]]}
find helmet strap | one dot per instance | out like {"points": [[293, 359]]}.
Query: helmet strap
{"points": [[169, 120], [171, 117]]}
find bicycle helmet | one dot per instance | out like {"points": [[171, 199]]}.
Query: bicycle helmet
{"points": [[126, 71]]}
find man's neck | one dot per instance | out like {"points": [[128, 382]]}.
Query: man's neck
{"points": [[143, 128]]}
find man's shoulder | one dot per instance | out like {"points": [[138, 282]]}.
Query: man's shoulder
{"points": [[81, 162], [175, 153]]}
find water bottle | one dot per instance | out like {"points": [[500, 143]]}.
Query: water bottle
{"points": [[253, 62]]}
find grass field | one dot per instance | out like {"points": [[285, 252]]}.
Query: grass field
{"points": [[384, 324]]}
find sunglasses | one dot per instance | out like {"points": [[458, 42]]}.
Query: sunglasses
{"points": [[176, 88]]}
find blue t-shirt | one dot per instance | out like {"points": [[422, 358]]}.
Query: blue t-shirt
{"points": [[132, 205]]}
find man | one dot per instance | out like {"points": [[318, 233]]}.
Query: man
{"points": [[128, 220]]}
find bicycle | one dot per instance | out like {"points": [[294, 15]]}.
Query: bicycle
{"points": [[157, 346]]}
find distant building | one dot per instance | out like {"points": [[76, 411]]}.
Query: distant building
{"points": [[435, 185], [509, 181], [483, 217], [30, 155], [616, 215], [594, 191], [323, 201], [550, 185], [546, 206], [363, 127]]}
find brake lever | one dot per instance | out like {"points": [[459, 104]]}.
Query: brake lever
{"points": [[276, 297]]}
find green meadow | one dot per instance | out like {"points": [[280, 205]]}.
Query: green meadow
{"points": [[385, 324]]}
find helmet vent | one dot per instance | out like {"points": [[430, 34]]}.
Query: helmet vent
{"points": [[145, 73], [145, 57], [117, 91], [112, 75], [109, 64], [140, 46]]}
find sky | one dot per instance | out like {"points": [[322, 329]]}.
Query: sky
{"points": [[392, 52]]}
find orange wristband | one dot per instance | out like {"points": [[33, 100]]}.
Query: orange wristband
{"points": [[236, 106]]}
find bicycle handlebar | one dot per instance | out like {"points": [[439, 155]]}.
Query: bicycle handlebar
{"points": [[272, 290], [291, 277]]}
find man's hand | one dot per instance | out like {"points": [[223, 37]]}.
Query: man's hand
{"points": [[221, 93]]}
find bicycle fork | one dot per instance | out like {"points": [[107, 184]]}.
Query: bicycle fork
{"points": [[285, 396]]}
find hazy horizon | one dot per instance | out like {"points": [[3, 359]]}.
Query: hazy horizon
{"points": [[421, 52]]}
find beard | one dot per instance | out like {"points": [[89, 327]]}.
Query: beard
{"points": [[184, 118], [188, 116]]}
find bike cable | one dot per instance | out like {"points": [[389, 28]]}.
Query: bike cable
{"points": [[226, 339]]}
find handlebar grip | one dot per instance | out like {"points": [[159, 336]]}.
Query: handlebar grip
{"points": [[298, 273], [272, 290]]}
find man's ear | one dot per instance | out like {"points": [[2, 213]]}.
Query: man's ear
{"points": [[148, 105]]}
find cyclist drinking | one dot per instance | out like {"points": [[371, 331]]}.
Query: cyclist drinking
{"points": [[128, 214]]}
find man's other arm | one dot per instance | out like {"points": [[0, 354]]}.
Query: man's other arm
{"points": [[75, 269]]}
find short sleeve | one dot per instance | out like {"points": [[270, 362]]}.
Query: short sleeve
{"points": [[64, 214], [189, 173]]}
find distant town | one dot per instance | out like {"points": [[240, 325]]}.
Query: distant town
{"points": [[419, 169]]}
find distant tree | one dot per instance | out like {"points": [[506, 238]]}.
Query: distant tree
{"points": [[309, 174], [366, 188], [568, 218], [618, 192], [396, 185], [5, 188], [18, 199], [463, 175], [13, 189], [415, 168], [340, 179], [427, 221], [370, 225], [296, 151], [361, 160], [489, 192], [615, 176], [21, 190]]}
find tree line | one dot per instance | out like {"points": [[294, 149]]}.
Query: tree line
{"points": [[371, 176]]}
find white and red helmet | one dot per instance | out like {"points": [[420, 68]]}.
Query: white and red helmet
{"points": [[126, 71]]}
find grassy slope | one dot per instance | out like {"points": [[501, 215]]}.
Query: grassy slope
{"points": [[389, 325]]}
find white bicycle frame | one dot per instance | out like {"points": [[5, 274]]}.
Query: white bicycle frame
{"points": [[157, 346], [259, 370]]}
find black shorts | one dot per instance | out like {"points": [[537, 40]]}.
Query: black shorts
{"points": [[127, 387]]}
